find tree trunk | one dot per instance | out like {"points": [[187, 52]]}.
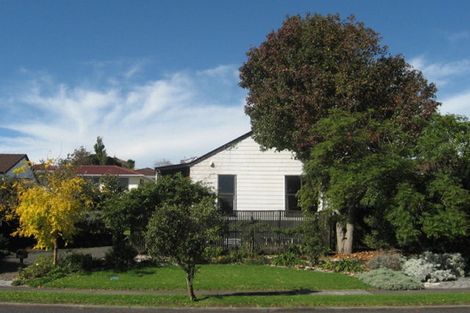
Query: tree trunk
{"points": [[344, 237], [55, 252], [189, 284]]}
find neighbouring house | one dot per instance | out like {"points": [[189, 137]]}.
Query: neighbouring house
{"points": [[246, 177], [16, 166], [128, 179], [147, 172]]}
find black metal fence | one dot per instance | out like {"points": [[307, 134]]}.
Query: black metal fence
{"points": [[262, 231]]}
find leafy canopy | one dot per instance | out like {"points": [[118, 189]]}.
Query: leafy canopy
{"points": [[51, 210], [316, 63]]}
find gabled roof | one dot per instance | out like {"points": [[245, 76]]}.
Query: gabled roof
{"points": [[100, 170], [205, 156], [146, 171], [8, 161]]}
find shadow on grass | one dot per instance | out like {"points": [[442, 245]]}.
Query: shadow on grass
{"points": [[259, 293]]}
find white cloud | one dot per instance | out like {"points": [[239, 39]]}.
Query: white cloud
{"points": [[457, 104], [441, 73], [172, 117]]}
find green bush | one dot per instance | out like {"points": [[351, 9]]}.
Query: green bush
{"points": [[288, 259], [387, 279], [121, 256], [391, 261], [76, 262], [41, 267], [342, 266], [229, 257], [41, 271]]}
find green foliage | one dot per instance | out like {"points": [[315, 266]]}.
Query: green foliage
{"points": [[388, 279], [101, 157], [181, 233], [342, 266], [121, 256], [288, 259], [76, 262], [314, 229], [391, 261], [43, 269]]}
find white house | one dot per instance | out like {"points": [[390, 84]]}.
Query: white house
{"points": [[16, 166], [127, 178], [245, 177]]}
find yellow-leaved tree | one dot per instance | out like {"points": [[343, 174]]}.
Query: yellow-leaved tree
{"points": [[50, 210]]}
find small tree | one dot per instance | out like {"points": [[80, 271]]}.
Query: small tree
{"points": [[50, 211], [183, 233]]}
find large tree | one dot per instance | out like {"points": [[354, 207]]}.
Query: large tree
{"points": [[315, 67]]}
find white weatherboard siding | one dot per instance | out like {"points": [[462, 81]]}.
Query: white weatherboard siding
{"points": [[22, 169], [134, 182], [260, 174]]}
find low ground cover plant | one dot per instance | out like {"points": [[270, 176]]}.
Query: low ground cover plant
{"points": [[342, 266], [384, 278]]}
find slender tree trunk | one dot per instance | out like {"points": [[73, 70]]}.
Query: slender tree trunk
{"points": [[344, 237], [189, 284], [55, 252]]}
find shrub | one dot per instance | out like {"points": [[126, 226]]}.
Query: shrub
{"points": [[288, 259], [76, 262], [342, 266], [441, 275], [384, 278], [418, 268], [121, 256], [434, 267], [231, 256], [40, 268], [391, 261]]}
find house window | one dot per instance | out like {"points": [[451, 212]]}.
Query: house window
{"points": [[123, 182], [226, 193], [292, 184]]}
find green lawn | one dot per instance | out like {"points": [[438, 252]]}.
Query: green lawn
{"points": [[212, 277], [395, 299]]}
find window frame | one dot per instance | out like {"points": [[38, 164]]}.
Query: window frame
{"points": [[233, 195], [287, 194]]}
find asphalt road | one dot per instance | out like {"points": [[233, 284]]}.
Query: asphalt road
{"points": [[30, 308]]}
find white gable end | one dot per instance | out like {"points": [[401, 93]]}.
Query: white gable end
{"points": [[260, 175]]}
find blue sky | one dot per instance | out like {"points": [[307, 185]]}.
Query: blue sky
{"points": [[159, 79]]}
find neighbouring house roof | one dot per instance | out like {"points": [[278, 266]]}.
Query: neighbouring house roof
{"points": [[8, 161], [100, 170], [146, 171], [177, 167]]}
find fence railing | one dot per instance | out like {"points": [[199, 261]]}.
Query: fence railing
{"points": [[262, 231]]}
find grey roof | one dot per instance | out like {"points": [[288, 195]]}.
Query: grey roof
{"points": [[8, 161]]}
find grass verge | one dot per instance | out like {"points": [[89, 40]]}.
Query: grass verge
{"points": [[238, 277], [243, 301]]}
